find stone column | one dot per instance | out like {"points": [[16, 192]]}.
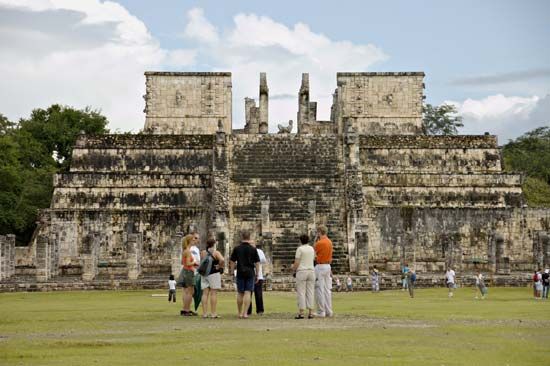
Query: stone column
{"points": [[264, 101], [42, 258], [354, 198], [502, 263], [311, 223], [303, 103], [175, 254], [7, 256], [2, 256], [545, 244], [362, 252], [133, 260], [90, 256], [220, 191]]}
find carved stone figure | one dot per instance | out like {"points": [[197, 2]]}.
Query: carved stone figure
{"points": [[288, 129]]}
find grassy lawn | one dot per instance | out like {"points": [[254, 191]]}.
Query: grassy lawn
{"points": [[389, 328]]}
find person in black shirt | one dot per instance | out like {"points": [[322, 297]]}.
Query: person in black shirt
{"points": [[245, 258], [545, 283]]}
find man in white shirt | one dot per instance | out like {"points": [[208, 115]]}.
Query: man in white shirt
{"points": [[258, 286], [450, 280]]}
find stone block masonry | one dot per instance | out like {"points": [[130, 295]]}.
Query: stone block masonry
{"points": [[388, 194]]}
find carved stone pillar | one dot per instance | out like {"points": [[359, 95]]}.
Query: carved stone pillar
{"points": [[42, 258], [264, 101], [133, 260], [220, 191], [311, 223], [175, 254], [545, 244], [7, 256], [502, 263], [90, 257], [354, 199]]}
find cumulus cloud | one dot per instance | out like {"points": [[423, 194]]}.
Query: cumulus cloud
{"points": [[78, 53], [506, 117], [255, 44], [93, 53]]}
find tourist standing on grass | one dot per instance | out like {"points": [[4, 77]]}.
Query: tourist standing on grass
{"points": [[305, 277], [450, 276], [404, 272], [171, 289], [245, 258], [375, 279], [323, 257], [212, 282], [189, 264], [411, 280], [349, 284], [338, 284], [259, 285], [537, 284], [545, 283], [480, 284]]}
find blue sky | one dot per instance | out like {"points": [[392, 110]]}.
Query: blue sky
{"points": [[490, 58]]}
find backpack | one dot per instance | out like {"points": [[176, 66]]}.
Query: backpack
{"points": [[535, 277], [206, 264]]}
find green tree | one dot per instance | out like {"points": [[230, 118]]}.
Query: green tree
{"points": [[441, 120], [27, 162], [530, 154]]}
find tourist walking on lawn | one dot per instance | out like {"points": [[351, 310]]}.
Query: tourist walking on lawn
{"points": [[305, 277], [545, 283], [375, 279], [349, 284], [450, 276], [480, 284], [411, 280], [259, 285], [188, 273], [323, 257], [404, 272], [212, 281], [245, 258]]}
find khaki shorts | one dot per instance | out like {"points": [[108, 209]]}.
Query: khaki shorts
{"points": [[213, 281]]}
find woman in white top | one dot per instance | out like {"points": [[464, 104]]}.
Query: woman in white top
{"points": [[305, 277]]}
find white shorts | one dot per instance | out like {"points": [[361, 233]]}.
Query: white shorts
{"points": [[213, 281]]}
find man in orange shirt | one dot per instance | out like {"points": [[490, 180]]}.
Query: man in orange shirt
{"points": [[323, 279]]}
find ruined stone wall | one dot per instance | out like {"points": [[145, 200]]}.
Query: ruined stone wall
{"points": [[282, 186], [492, 240], [119, 210], [436, 171], [385, 103], [187, 102]]}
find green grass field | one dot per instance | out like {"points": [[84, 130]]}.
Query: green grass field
{"points": [[388, 328]]}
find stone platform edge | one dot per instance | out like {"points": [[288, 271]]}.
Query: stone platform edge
{"points": [[277, 283]]}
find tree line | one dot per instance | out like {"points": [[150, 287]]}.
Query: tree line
{"points": [[35, 148]]}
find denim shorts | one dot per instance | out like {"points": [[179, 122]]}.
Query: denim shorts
{"points": [[245, 284]]}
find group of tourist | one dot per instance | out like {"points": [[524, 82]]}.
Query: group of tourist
{"points": [[541, 284], [201, 270], [312, 269]]}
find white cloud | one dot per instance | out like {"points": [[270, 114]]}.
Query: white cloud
{"points": [[78, 53], [93, 53], [257, 44], [199, 28], [506, 117]]}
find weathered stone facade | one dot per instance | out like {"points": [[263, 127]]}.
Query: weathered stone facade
{"points": [[388, 193]]}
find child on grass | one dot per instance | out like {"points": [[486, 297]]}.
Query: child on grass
{"points": [[172, 289]]}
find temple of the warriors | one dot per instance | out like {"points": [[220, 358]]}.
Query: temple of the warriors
{"points": [[389, 193]]}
